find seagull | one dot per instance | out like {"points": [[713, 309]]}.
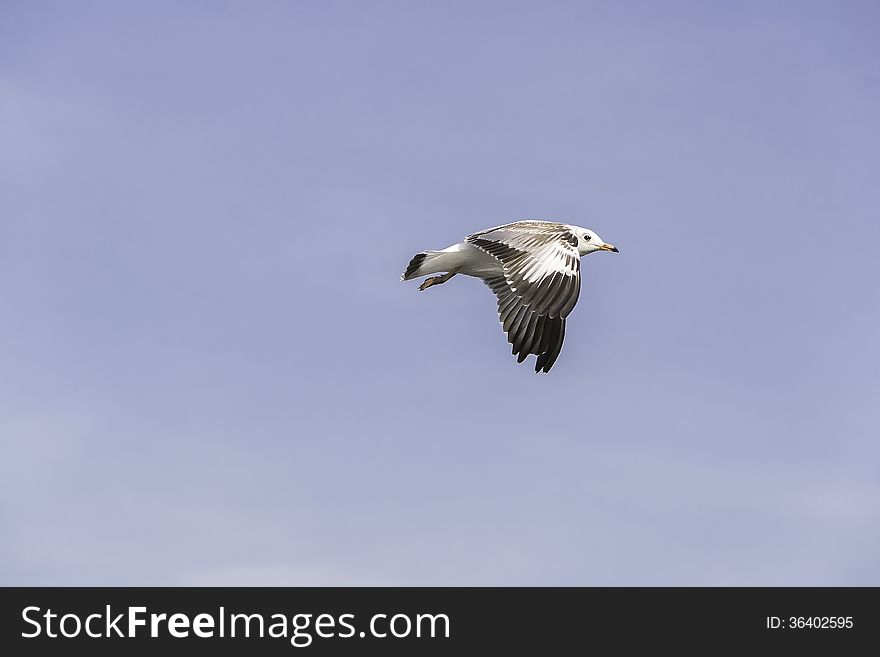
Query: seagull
{"points": [[533, 267]]}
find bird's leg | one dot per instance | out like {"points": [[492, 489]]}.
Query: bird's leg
{"points": [[436, 280]]}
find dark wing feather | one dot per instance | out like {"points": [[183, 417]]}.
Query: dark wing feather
{"points": [[539, 288]]}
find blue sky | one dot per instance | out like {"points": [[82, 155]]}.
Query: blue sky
{"points": [[212, 375]]}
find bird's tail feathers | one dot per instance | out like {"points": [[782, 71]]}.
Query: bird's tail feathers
{"points": [[424, 263]]}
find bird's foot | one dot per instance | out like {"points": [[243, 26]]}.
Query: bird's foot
{"points": [[434, 280]]}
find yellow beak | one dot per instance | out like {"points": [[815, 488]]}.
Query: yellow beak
{"points": [[609, 247]]}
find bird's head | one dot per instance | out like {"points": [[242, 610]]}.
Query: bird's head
{"points": [[590, 242]]}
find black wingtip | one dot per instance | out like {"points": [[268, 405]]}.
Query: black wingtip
{"points": [[548, 356]]}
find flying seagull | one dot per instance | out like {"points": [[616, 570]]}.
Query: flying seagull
{"points": [[533, 267]]}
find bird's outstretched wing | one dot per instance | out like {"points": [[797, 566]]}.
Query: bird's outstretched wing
{"points": [[540, 285]]}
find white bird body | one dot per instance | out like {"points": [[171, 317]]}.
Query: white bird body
{"points": [[463, 258], [533, 267]]}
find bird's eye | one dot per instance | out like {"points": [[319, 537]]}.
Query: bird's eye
{"points": [[586, 238]]}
